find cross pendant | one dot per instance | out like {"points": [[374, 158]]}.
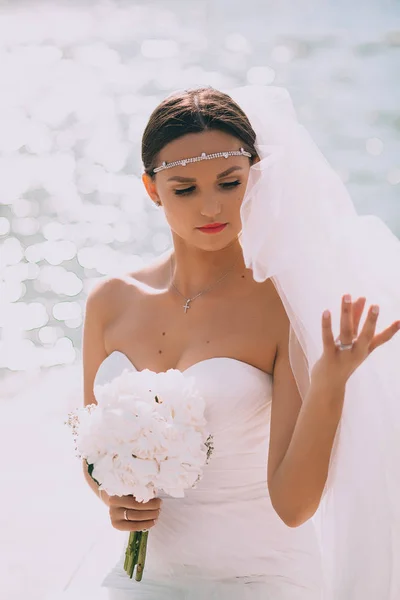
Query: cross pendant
{"points": [[186, 305]]}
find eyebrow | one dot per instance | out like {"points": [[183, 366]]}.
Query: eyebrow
{"points": [[219, 176]]}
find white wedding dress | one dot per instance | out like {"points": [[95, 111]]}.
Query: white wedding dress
{"points": [[223, 541]]}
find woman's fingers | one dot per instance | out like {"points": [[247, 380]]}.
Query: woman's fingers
{"points": [[358, 309], [327, 335], [368, 331], [133, 525], [137, 520], [351, 314], [349, 322], [384, 336], [131, 502], [346, 320], [139, 515]]}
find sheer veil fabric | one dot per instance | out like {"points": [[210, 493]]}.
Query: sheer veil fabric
{"points": [[301, 229]]}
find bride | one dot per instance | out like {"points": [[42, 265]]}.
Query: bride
{"points": [[261, 299]]}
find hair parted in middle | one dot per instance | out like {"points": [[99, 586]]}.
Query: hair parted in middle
{"points": [[194, 111]]}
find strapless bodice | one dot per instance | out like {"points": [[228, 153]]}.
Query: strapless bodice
{"points": [[238, 401], [226, 527]]}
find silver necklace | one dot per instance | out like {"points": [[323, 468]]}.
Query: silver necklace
{"points": [[188, 300]]}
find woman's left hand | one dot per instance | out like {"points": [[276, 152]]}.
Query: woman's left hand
{"points": [[336, 366]]}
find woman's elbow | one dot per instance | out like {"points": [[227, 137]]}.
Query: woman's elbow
{"points": [[293, 521], [293, 517]]}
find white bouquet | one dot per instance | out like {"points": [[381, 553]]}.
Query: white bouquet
{"points": [[146, 433]]}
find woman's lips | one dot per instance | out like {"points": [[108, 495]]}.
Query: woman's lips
{"points": [[213, 227]]}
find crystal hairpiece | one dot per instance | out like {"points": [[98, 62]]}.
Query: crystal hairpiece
{"points": [[203, 156]]}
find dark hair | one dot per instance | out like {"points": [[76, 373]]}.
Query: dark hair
{"points": [[193, 111]]}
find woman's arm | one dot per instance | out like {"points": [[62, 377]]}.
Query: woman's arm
{"points": [[301, 441], [97, 317]]}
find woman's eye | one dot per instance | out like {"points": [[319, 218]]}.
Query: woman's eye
{"points": [[185, 191], [230, 184], [226, 186]]}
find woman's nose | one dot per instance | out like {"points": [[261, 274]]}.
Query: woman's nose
{"points": [[211, 207]]}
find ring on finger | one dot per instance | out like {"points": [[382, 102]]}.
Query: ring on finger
{"points": [[125, 515], [342, 346]]}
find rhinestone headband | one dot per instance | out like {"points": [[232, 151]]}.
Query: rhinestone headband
{"points": [[203, 156]]}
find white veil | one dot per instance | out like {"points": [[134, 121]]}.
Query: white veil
{"points": [[301, 228]]}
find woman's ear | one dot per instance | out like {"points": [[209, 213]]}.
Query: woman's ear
{"points": [[151, 188]]}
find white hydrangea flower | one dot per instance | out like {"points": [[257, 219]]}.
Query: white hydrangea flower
{"points": [[147, 433], [121, 474]]}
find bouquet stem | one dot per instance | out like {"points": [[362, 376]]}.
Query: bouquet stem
{"points": [[135, 554], [130, 548], [142, 555]]}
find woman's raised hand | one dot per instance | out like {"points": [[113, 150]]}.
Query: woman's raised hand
{"points": [[141, 515], [335, 365]]}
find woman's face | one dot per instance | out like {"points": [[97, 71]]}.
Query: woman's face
{"points": [[201, 193]]}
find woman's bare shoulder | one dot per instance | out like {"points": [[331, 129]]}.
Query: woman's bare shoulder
{"points": [[153, 274], [110, 292], [273, 296], [280, 316], [276, 316], [107, 288]]}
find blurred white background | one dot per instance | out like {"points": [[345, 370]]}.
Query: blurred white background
{"points": [[78, 81]]}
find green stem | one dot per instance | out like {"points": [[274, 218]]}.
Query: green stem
{"points": [[142, 555], [137, 545], [133, 557], [129, 548]]}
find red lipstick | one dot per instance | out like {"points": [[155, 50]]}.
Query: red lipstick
{"points": [[212, 227]]}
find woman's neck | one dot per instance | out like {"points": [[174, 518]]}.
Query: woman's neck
{"points": [[193, 269]]}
